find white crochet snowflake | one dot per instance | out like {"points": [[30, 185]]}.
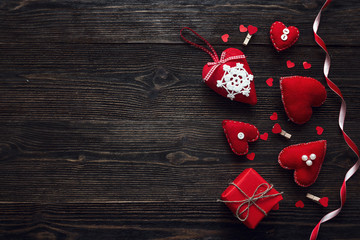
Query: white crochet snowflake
{"points": [[235, 80]]}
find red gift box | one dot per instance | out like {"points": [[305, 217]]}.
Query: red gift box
{"points": [[250, 197]]}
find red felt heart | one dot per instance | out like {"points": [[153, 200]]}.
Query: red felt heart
{"points": [[299, 204], [225, 37], [319, 130], [252, 29], [264, 136], [283, 37], [276, 128], [250, 156], [290, 64], [232, 79], [306, 65], [269, 82], [299, 95], [239, 134], [324, 201], [306, 159], [242, 28], [274, 116]]}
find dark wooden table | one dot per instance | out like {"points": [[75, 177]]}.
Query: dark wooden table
{"points": [[107, 131]]}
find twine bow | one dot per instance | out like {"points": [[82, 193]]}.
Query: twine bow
{"points": [[251, 200], [217, 63]]}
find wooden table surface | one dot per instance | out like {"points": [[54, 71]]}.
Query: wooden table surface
{"points": [[108, 132]]}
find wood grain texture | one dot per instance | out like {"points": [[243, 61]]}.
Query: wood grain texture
{"points": [[107, 131]]}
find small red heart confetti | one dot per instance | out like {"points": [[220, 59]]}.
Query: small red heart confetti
{"points": [[264, 136], [252, 29], [299, 204], [276, 207], [319, 130], [324, 201], [242, 28], [290, 64], [269, 82], [225, 37], [306, 65], [274, 116], [276, 128], [250, 156]]}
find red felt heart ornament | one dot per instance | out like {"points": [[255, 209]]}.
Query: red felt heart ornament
{"points": [[324, 201], [299, 95], [239, 134], [252, 29], [232, 79], [306, 159], [283, 37], [230, 75]]}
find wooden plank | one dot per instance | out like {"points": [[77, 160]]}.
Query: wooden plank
{"points": [[177, 220], [94, 21]]}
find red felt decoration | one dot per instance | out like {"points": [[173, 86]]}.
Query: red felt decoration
{"points": [[252, 29], [299, 204], [324, 201], [239, 134], [225, 37], [242, 28], [306, 159], [274, 116], [230, 76], [276, 128], [283, 37], [299, 95], [264, 136], [319, 130], [290, 64], [269, 82], [306, 65], [249, 184]]}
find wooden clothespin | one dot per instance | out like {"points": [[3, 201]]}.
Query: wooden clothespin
{"points": [[277, 130], [251, 31], [322, 201]]}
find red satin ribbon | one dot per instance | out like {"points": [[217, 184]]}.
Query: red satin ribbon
{"points": [[342, 115]]}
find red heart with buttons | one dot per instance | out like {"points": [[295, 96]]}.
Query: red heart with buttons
{"points": [[283, 37], [233, 78], [299, 95], [306, 159], [239, 134]]}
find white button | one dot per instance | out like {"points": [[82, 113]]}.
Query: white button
{"points": [[241, 135], [286, 31], [309, 163], [312, 156], [284, 37], [304, 158]]}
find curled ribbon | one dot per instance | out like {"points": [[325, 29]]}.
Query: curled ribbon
{"points": [[217, 63], [251, 200], [342, 115]]}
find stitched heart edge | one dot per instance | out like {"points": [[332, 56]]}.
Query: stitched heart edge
{"points": [[273, 40], [250, 140], [295, 176]]}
